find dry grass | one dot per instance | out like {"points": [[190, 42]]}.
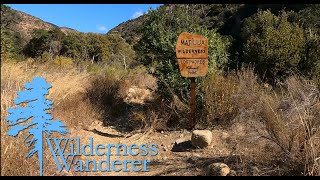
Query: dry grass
{"points": [[137, 85], [293, 122], [63, 62], [272, 131], [103, 93], [69, 106], [79, 99], [227, 96], [218, 90], [139, 77], [14, 161], [277, 130], [124, 97], [249, 89]]}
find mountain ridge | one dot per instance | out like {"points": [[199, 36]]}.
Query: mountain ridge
{"points": [[16, 21]]}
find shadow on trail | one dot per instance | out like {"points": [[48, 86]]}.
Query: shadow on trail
{"points": [[182, 147], [197, 166], [105, 134], [194, 166], [105, 96]]}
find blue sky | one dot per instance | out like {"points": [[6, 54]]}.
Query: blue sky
{"points": [[98, 18]]}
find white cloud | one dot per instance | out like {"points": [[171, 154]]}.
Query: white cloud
{"points": [[102, 28], [137, 14]]}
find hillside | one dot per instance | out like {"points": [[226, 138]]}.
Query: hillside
{"points": [[22, 23], [128, 29], [227, 18], [67, 30]]}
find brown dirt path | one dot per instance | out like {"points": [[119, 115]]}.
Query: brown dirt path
{"points": [[186, 161]]}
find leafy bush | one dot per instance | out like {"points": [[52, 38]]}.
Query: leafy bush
{"points": [[97, 47], [122, 53], [274, 45], [310, 67], [74, 45], [44, 41], [308, 17], [161, 30], [6, 46], [45, 57]]}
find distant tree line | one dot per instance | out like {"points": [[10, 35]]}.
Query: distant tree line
{"points": [[46, 45]]}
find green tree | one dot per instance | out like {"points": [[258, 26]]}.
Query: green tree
{"points": [[10, 45], [160, 32], [310, 66], [74, 45], [121, 52], [309, 17], [273, 44], [44, 41], [7, 49], [98, 47], [55, 41], [38, 44]]}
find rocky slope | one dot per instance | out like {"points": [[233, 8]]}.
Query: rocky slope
{"points": [[23, 24]]}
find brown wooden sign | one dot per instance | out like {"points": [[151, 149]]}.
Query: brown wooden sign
{"points": [[192, 54], [193, 67]]}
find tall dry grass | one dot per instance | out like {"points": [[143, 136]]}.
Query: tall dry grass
{"points": [[114, 92], [80, 97], [70, 107], [218, 101], [269, 126], [228, 95], [292, 119]]}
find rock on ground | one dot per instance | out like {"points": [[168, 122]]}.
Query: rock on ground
{"points": [[201, 138], [137, 95], [218, 169]]}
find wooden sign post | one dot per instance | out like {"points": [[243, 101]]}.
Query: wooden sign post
{"points": [[192, 55]]}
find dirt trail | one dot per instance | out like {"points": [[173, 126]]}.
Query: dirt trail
{"points": [[171, 159]]}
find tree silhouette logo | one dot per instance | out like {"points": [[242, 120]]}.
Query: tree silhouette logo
{"points": [[34, 117]]}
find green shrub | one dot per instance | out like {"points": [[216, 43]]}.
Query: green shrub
{"points": [[161, 30], [7, 49], [45, 57], [44, 40], [310, 66], [94, 68], [274, 45]]}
